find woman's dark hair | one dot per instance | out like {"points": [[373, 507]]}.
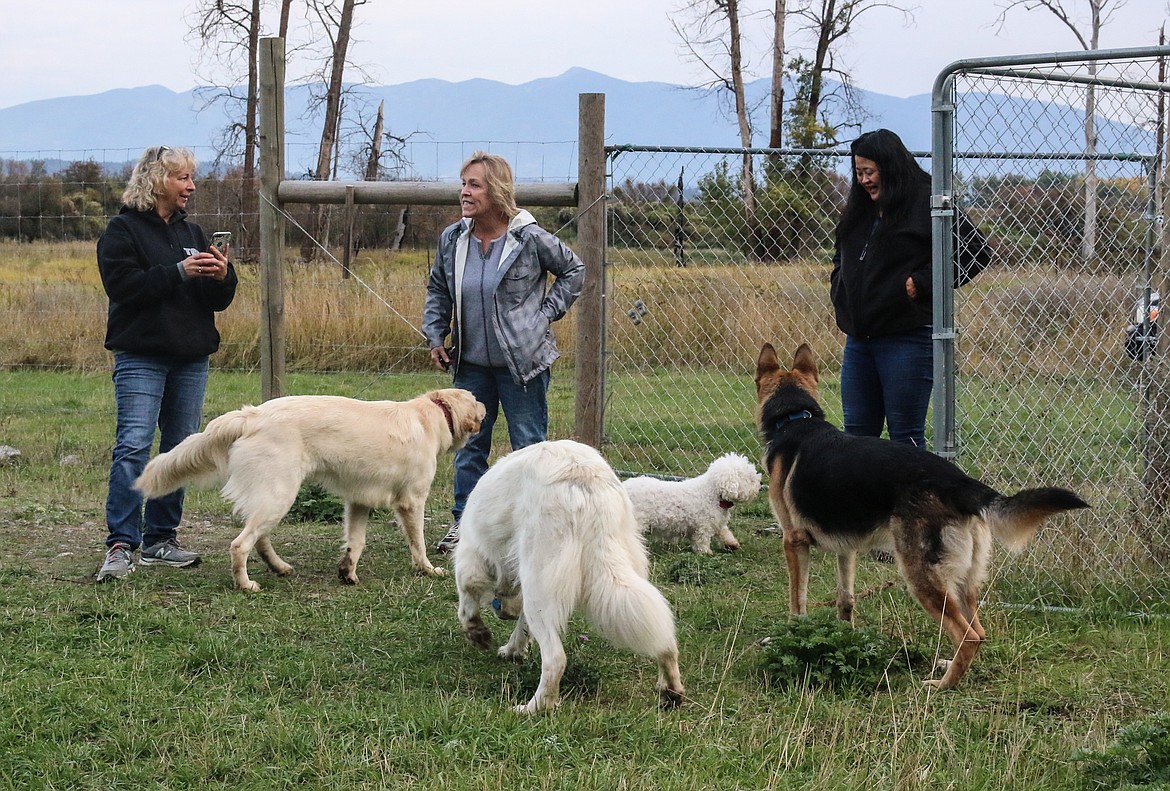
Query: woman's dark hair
{"points": [[902, 179]]}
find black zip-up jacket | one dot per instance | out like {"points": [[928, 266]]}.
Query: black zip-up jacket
{"points": [[153, 310], [872, 261]]}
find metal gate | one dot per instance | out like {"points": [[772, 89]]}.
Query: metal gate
{"points": [[1034, 384], [1049, 371]]}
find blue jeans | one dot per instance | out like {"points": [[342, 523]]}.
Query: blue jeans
{"points": [[888, 381], [525, 409], [150, 392]]}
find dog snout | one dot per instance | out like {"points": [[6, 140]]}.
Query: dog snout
{"points": [[507, 608]]}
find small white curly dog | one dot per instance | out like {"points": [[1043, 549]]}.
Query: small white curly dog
{"points": [[697, 508]]}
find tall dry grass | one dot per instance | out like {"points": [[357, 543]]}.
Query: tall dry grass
{"points": [[55, 310], [699, 316]]}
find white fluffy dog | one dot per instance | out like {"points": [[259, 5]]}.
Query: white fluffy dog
{"points": [[697, 508], [549, 530]]}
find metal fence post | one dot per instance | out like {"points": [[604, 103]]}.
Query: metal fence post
{"points": [[942, 115]]}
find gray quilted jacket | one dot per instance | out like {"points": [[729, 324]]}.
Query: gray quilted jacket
{"points": [[525, 306]]}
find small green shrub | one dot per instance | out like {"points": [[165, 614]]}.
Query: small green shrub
{"points": [[820, 650], [315, 504], [1138, 759]]}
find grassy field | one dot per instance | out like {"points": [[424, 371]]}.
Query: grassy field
{"points": [[173, 679]]}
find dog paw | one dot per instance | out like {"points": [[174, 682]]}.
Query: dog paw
{"points": [[346, 579], [731, 547], [671, 698], [479, 635], [511, 654], [536, 706], [431, 571], [248, 586]]}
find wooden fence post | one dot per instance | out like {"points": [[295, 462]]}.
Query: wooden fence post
{"points": [[271, 223], [590, 307]]}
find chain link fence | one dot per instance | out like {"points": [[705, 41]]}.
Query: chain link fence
{"points": [[701, 272], [1055, 379], [1059, 380]]}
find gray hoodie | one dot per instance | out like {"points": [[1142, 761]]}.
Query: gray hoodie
{"points": [[525, 306]]}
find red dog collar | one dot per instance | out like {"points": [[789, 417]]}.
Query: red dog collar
{"points": [[446, 412]]}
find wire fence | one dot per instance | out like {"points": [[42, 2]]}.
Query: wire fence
{"points": [[1055, 379], [1057, 361], [712, 252]]}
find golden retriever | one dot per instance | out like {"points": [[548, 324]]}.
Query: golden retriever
{"points": [[549, 530], [372, 454]]}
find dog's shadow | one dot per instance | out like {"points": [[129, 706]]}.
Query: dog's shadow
{"points": [[581, 681]]}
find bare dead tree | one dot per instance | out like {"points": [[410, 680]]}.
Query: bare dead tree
{"points": [[335, 21], [711, 33], [829, 23], [1088, 34], [776, 116], [285, 9], [382, 156], [375, 157], [230, 36]]}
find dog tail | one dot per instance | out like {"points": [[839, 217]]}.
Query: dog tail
{"points": [[200, 459], [632, 614], [619, 598], [1014, 520]]}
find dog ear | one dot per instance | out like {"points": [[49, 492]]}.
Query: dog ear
{"points": [[767, 361], [471, 420], [805, 362]]}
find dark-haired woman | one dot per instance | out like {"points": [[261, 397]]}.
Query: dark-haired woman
{"points": [[881, 288]]}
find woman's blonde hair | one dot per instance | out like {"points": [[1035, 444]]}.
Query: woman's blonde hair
{"points": [[150, 171], [501, 188]]}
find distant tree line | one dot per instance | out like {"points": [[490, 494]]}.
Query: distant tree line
{"points": [[76, 201], [797, 204]]}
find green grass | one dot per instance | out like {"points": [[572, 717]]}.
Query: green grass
{"points": [[173, 679]]}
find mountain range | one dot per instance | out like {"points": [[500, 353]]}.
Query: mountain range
{"points": [[443, 121]]}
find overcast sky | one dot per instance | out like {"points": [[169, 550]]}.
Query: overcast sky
{"points": [[53, 48]]}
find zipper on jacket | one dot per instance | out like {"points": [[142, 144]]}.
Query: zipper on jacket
{"points": [[872, 232]]}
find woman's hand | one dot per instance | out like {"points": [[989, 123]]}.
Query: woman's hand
{"points": [[911, 291], [213, 264]]}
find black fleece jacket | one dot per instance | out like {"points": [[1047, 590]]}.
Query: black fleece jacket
{"points": [[873, 259], [153, 310]]}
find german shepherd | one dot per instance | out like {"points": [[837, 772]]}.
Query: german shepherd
{"points": [[850, 494]]}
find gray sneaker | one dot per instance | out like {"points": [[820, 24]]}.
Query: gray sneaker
{"points": [[448, 542], [118, 563], [169, 553]]}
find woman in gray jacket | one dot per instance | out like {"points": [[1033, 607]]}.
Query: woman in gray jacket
{"points": [[488, 290]]}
